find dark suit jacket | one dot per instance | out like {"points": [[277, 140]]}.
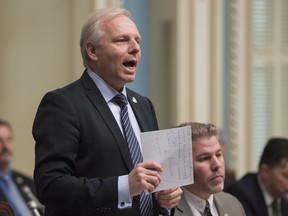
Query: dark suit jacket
{"points": [[80, 150], [249, 193], [226, 205], [21, 181]]}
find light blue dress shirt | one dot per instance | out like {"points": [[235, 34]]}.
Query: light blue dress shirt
{"points": [[124, 198], [13, 195]]}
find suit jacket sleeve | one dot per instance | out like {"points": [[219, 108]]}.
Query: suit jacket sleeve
{"points": [[80, 150], [57, 132]]}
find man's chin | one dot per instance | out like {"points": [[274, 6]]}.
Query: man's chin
{"points": [[129, 78], [217, 188], [4, 165]]}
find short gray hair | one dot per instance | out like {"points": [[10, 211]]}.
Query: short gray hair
{"points": [[92, 31]]}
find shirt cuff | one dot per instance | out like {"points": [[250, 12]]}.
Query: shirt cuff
{"points": [[124, 198]]}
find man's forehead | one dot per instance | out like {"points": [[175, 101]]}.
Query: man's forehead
{"points": [[203, 144]]}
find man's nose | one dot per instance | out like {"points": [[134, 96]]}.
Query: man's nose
{"points": [[134, 47], [216, 163], [4, 144]]}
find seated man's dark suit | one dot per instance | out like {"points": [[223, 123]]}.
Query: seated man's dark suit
{"points": [[249, 193]]}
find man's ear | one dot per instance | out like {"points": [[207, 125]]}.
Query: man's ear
{"points": [[91, 51], [264, 170]]}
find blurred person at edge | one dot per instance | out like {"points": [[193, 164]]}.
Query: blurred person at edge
{"points": [[264, 193], [16, 189], [83, 165], [209, 174]]}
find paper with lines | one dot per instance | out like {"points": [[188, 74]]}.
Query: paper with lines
{"points": [[172, 148]]}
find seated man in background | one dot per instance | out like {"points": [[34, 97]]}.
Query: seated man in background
{"points": [[15, 188], [205, 196], [263, 193]]}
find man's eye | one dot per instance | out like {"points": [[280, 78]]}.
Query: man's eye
{"points": [[203, 159], [120, 40], [219, 154]]}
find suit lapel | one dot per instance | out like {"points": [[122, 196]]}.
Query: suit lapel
{"points": [[135, 107], [103, 109], [183, 207], [19, 182], [284, 206], [219, 206]]}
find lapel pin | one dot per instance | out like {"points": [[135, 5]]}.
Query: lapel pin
{"points": [[19, 180], [134, 100]]}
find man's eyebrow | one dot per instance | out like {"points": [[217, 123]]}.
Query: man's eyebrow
{"points": [[204, 154]]}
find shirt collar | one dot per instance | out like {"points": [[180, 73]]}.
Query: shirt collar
{"points": [[196, 202], [6, 174], [106, 90], [267, 197]]}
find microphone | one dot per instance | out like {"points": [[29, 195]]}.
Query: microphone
{"points": [[33, 204]]}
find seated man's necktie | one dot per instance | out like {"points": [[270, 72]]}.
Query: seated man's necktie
{"points": [[275, 209], [207, 211]]}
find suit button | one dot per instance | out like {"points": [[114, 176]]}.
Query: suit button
{"points": [[122, 204]]}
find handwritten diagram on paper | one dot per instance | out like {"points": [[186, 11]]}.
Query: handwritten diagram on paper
{"points": [[173, 149]]}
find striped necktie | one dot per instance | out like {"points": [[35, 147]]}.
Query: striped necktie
{"points": [[207, 211], [146, 206]]}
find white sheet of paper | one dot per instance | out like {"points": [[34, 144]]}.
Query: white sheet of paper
{"points": [[172, 148]]}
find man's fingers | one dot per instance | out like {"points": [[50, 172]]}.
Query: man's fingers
{"points": [[151, 165], [169, 198], [144, 176]]}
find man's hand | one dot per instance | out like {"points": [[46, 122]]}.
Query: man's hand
{"points": [[144, 176], [169, 198]]}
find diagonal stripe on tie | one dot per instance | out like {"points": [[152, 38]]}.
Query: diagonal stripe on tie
{"points": [[146, 206]]}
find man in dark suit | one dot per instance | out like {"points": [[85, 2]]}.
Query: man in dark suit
{"points": [[205, 196], [16, 188], [265, 192], [83, 163]]}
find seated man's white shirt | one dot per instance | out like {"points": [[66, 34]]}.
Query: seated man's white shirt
{"points": [[197, 205]]}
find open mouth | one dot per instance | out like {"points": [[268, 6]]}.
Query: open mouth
{"points": [[130, 64]]}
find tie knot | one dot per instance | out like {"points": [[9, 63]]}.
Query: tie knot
{"points": [[120, 100]]}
